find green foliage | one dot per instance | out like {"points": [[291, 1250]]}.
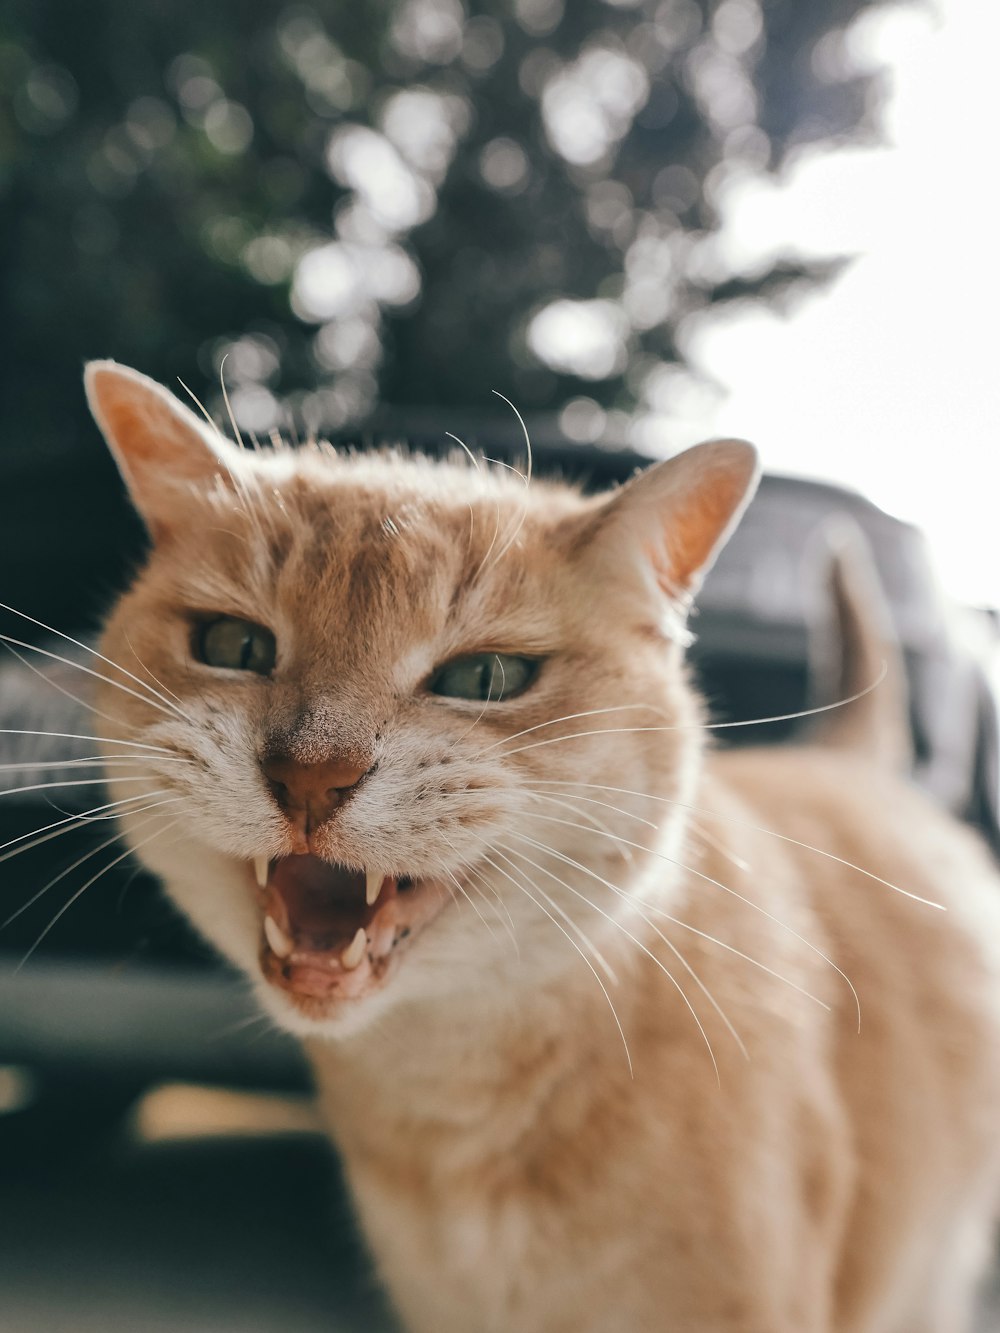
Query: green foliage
{"points": [[370, 202]]}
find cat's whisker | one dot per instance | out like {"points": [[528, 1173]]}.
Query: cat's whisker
{"points": [[711, 726], [95, 815], [707, 839], [465, 894], [68, 694], [618, 926], [597, 824], [76, 782], [527, 482], [649, 953], [486, 703], [84, 887], [76, 736], [166, 689], [495, 904], [597, 976], [590, 800], [475, 463], [760, 828], [569, 717], [93, 851], [239, 482], [581, 935], [166, 707], [117, 666], [718, 884], [241, 1025], [577, 930], [85, 760], [641, 907]]}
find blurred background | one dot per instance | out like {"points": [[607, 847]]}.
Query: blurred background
{"points": [[642, 221]]}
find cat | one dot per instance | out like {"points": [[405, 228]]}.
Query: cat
{"points": [[599, 1050]]}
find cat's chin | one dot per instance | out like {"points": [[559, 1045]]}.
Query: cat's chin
{"points": [[332, 937]]}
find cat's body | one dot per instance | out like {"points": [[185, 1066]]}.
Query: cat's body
{"points": [[512, 1175], [590, 1046]]}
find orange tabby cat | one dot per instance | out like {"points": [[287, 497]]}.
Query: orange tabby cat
{"points": [[586, 1034]]}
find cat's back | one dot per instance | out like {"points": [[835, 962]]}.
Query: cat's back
{"points": [[905, 901]]}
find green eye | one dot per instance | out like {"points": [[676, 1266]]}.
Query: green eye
{"points": [[486, 676], [237, 645]]}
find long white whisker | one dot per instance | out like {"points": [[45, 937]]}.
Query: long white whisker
{"points": [[83, 761], [166, 689], [76, 736], [597, 976], [760, 828], [710, 726], [83, 888], [77, 782], [726, 889], [78, 821], [147, 699], [465, 894], [570, 804], [527, 482], [639, 944], [495, 903], [568, 717], [669, 943], [584, 939], [87, 649], [475, 463], [87, 707], [93, 851]]}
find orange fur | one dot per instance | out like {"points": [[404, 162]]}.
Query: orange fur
{"points": [[511, 1170]]}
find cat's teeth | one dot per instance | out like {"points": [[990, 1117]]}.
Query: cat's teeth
{"points": [[260, 867], [373, 885], [281, 945], [355, 951]]}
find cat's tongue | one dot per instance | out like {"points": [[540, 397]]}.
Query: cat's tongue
{"points": [[318, 907]]}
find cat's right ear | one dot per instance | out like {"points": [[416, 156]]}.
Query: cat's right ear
{"points": [[162, 449]]}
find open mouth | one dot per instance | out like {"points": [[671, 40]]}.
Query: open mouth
{"points": [[331, 931]]}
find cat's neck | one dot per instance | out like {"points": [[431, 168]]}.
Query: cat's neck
{"points": [[494, 1070]]}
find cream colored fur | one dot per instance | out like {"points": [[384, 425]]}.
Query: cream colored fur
{"points": [[619, 1083]]}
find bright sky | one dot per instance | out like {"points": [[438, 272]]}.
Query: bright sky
{"points": [[889, 382]]}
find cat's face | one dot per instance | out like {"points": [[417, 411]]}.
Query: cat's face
{"points": [[375, 682]]}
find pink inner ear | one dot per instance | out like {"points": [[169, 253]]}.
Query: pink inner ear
{"points": [[156, 440], [149, 430], [693, 531]]}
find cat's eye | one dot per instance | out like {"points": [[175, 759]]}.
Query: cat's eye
{"points": [[486, 676], [237, 645]]}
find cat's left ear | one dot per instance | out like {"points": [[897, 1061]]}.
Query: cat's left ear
{"points": [[674, 518], [163, 451]]}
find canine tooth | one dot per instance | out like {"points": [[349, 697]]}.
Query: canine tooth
{"points": [[355, 951], [260, 868], [280, 944], [373, 885]]}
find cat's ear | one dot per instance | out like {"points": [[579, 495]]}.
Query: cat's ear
{"points": [[675, 517], [162, 449]]}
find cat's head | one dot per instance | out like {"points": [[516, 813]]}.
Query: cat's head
{"points": [[398, 712]]}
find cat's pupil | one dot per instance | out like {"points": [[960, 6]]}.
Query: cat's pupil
{"points": [[486, 676], [236, 645]]}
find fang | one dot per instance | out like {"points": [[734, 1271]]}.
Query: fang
{"points": [[355, 951]]}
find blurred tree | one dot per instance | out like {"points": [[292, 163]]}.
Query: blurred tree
{"points": [[385, 204]]}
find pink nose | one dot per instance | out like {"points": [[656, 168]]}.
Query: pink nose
{"points": [[310, 793]]}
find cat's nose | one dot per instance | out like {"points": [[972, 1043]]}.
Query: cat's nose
{"points": [[310, 793]]}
